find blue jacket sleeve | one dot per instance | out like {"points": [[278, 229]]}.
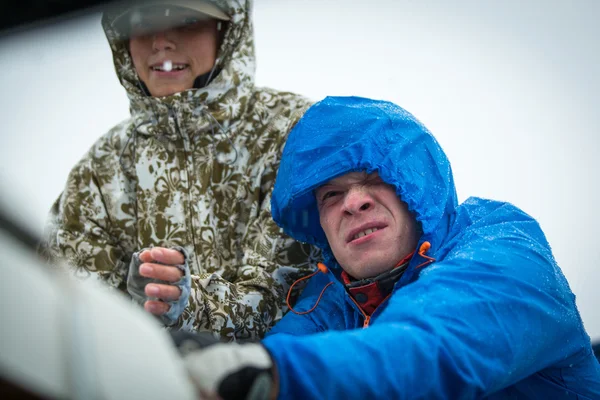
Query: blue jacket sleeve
{"points": [[493, 311]]}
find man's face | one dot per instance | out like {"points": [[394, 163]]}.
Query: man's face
{"points": [[177, 39], [367, 226]]}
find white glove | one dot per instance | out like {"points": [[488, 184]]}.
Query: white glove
{"points": [[233, 371]]}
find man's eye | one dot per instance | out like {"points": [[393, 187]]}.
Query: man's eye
{"points": [[375, 181], [330, 194], [190, 21], [141, 28]]}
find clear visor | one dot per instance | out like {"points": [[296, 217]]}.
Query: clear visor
{"points": [[150, 20]]}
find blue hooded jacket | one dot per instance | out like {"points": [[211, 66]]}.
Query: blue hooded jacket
{"points": [[493, 316]]}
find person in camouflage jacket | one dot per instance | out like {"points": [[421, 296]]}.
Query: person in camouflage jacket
{"points": [[191, 171]]}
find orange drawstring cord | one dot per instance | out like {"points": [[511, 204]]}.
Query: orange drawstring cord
{"points": [[321, 268], [422, 250]]}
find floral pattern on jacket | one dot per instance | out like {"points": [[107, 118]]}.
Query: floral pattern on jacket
{"points": [[196, 170]]}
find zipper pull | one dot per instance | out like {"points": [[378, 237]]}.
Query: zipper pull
{"points": [[367, 320]]}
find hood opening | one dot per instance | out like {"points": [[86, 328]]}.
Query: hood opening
{"points": [[235, 54], [339, 135]]}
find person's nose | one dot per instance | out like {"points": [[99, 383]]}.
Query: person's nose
{"points": [[163, 40], [357, 200]]}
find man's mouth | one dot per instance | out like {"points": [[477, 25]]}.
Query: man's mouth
{"points": [[168, 67], [364, 233]]}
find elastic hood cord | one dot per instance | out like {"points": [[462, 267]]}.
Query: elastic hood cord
{"points": [[222, 131], [131, 136], [424, 248], [320, 268], [203, 80]]}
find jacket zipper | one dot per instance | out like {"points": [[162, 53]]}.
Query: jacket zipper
{"points": [[367, 318], [188, 154]]}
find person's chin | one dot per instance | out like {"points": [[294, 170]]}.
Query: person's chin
{"points": [[363, 266], [360, 269], [167, 91]]}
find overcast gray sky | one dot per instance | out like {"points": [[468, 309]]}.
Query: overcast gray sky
{"points": [[510, 90]]}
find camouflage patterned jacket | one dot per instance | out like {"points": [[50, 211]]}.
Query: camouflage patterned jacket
{"points": [[195, 170]]}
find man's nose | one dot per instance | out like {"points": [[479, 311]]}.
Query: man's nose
{"points": [[163, 41], [357, 201]]}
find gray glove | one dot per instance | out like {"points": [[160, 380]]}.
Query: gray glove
{"points": [[136, 284], [233, 371]]}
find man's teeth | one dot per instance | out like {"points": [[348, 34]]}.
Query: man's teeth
{"points": [[167, 67], [364, 233]]}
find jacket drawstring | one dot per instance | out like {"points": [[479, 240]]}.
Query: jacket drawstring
{"points": [[214, 68], [425, 246], [213, 121], [130, 137], [320, 268], [144, 89]]}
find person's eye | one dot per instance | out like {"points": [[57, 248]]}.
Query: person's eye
{"points": [[375, 181], [189, 21], [140, 28], [330, 194]]}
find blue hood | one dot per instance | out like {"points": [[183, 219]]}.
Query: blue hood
{"points": [[491, 317], [343, 134]]}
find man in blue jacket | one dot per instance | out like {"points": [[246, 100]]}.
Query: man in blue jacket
{"points": [[456, 301]]}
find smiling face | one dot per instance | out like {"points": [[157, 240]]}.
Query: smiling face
{"points": [[170, 51], [368, 228]]}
